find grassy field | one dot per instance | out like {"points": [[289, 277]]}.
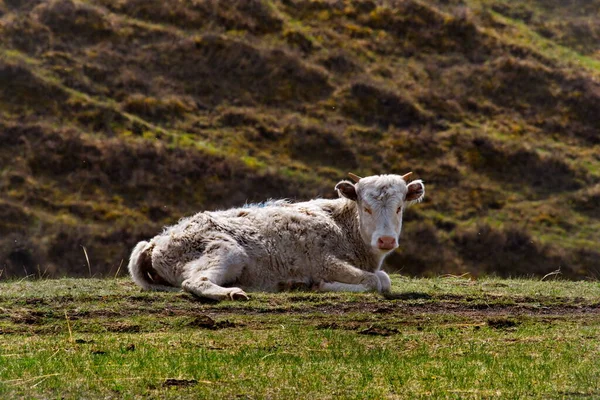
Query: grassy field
{"points": [[432, 338]]}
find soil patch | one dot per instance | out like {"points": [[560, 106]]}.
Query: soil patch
{"points": [[170, 382], [378, 331], [501, 312], [502, 323], [206, 322]]}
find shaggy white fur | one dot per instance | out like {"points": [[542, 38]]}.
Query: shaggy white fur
{"points": [[335, 245]]}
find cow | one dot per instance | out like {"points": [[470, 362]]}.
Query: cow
{"points": [[322, 244]]}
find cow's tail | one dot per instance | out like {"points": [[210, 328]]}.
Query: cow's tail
{"points": [[142, 272]]}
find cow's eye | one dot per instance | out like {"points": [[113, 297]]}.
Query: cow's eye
{"points": [[368, 210], [398, 210]]}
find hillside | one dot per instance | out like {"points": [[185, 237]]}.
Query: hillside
{"points": [[118, 117]]}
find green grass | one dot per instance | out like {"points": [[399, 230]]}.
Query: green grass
{"points": [[436, 338]]}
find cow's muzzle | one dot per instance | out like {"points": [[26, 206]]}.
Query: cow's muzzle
{"points": [[386, 243]]}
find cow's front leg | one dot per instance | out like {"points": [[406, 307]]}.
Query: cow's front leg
{"points": [[340, 276], [386, 282]]}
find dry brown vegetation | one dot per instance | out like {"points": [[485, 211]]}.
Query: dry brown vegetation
{"points": [[119, 117]]}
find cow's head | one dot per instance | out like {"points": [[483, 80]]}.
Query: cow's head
{"points": [[381, 200]]}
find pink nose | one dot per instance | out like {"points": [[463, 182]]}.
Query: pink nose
{"points": [[386, 242]]}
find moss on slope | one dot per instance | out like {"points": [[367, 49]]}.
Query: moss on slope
{"points": [[119, 117]]}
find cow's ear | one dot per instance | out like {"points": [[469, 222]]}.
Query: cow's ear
{"points": [[416, 191], [347, 189]]}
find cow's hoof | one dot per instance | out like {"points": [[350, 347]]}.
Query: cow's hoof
{"points": [[239, 294], [384, 279]]}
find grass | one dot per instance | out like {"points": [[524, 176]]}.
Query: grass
{"points": [[433, 338]]}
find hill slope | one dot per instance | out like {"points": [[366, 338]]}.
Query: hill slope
{"points": [[119, 117]]}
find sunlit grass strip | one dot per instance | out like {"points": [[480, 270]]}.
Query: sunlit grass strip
{"points": [[300, 344], [282, 361], [528, 38]]}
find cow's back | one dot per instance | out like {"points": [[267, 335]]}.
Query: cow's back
{"points": [[281, 243]]}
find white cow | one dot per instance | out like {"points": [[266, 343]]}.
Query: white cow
{"points": [[327, 245]]}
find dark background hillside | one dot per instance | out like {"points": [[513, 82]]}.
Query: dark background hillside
{"points": [[118, 117]]}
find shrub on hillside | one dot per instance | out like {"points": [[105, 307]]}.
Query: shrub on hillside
{"points": [[22, 90], [265, 125], [340, 63], [420, 27], [368, 103], [27, 34], [317, 146], [255, 16], [74, 21], [298, 40], [14, 218], [158, 109], [19, 256], [587, 201], [216, 68], [519, 166], [423, 252], [508, 252], [544, 95], [514, 82]]}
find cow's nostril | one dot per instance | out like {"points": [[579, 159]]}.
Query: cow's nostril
{"points": [[386, 242]]}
